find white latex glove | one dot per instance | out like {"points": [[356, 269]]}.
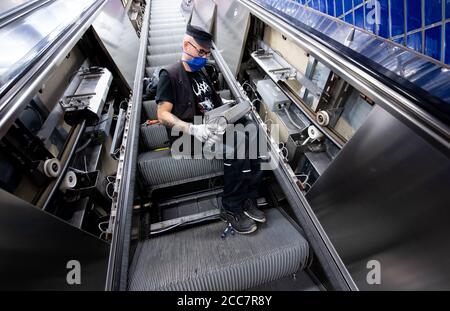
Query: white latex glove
{"points": [[227, 101], [217, 126], [203, 132], [200, 131]]}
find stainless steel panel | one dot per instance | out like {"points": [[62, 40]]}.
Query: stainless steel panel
{"points": [[232, 24], [25, 39], [386, 198], [119, 39], [427, 116], [186, 8], [35, 248], [203, 14], [379, 50], [7, 6], [122, 208], [21, 81]]}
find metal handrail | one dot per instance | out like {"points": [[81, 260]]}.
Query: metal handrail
{"points": [[366, 81], [39, 70], [20, 11]]}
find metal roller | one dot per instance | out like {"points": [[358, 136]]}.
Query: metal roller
{"points": [[52, 168], [323, 118]]}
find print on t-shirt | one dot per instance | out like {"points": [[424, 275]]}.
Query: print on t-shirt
{"points": [[203, 93]]}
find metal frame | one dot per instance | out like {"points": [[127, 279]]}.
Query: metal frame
{"points": [[15, 99], [334, 267], [122, 207], [390, 97], [21, 10], [65, 157]]}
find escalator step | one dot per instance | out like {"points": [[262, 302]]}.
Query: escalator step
{"points": [[162, 20], [166, 32], [164, 49], [163, 59], [159, 169], [159, 16], [154, 137], [198, 259], [149, 71], [164, 26], [166, 40], [150, 109]]}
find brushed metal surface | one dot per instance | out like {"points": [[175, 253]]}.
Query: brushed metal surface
{"points": [[231, 29], [203, 14], [35, 248], [386, 198], [118, 38], [25, 39], [9, 5]]}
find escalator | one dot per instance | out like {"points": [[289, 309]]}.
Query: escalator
{"points": [[184, 249], [91, 192]]}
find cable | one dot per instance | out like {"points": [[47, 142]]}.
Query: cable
{"points": [[104, 121], [122, 102], [305, 182], [251, 87], [85, 164], [303, 175], [268, 119], [84, 145], [111, 181], [184, 223], [101, 230], [107, 192], [77, 170], [111, 176], [86, 170], [285, 149], [292, 121], [165, 229], [116, 154], [287, 152], [100, 226], [256, 99]]}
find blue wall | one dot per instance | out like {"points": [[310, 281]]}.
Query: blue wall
{"points": [[422, 25]]}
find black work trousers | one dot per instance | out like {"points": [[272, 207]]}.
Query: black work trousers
{"points": [[242, 175]]}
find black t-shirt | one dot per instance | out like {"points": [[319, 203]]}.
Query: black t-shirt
{"points": [[202, 90]]}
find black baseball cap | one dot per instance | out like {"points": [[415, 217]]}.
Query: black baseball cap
{"points": [[200, 35]]}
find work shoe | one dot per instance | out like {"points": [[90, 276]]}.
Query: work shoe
{"points": [[239, 221], [250, 209]]}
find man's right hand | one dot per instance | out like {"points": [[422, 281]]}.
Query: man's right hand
{"points": [[200, 131], [205, 131]]}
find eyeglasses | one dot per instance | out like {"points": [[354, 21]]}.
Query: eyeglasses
{"points": [[201, 52]]}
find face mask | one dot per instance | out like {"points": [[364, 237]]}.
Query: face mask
{"points": [[196, 63]]}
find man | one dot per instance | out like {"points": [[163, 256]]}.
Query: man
{"points": [[183, 92]]}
